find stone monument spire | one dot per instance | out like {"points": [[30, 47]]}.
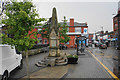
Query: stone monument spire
{"points": [[54, 35], [54, 24], [54, 57]]}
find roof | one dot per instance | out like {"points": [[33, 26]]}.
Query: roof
{"points": [[111, 32], [117, 15], [75, 24]]}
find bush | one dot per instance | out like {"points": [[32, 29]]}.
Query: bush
{"points": [[72, 56]]}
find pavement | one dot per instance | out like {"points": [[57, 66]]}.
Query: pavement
{"points": [[89, 66], [50, 72]]}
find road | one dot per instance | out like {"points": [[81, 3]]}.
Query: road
{"points": [[109, 57], [87, 66], [32, 60]]}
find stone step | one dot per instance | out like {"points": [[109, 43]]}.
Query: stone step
{"points": [[43, 60], [62, 63], [40, 65], [61, 60]]}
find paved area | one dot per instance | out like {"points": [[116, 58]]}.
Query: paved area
{"points": [[33, 68], [109, 57], [50, 72], [87, 67]]}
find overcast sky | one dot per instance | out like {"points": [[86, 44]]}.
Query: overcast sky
{"points": [[96, 13]]}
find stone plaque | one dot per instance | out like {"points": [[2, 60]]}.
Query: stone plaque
{"points": [[53, 43]]}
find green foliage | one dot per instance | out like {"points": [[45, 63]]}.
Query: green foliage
{"points": [[63, 30], [63, 36], [45, 31], [72, 56], [21, 18]]}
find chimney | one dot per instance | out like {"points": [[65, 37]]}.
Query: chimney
{"points": [[72, 22], [106, 32]]}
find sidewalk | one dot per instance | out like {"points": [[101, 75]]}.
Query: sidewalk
{"points": [[50, 72], [87, 67]]}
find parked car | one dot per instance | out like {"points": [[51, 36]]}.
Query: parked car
{"points": [[62, 47], [117, 47], [90, 43], [97, 44], [9, 60], [103, 46]]}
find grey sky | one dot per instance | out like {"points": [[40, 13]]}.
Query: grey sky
{"points": [[96, 14]]}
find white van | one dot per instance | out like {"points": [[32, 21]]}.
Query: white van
{"points": [[9, 60]]}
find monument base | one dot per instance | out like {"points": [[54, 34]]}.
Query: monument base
{"points": [[54, 52], [53, 61]]}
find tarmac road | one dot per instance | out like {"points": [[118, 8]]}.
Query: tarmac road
{"points": [[32, 60], [87, 67], [109, 57]]}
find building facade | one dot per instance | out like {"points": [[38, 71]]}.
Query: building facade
{"points": [[76, 29], [116, 25], [41, 40]]}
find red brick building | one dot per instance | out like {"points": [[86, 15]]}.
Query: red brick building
{"points": [[115, 22], [40, 38], [76, 29], [115, 26], [90, 37]]}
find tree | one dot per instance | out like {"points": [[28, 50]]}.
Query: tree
{"points": [[21, 18], [63, 30], [45, 29]]}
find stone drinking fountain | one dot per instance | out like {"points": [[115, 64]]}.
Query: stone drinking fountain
{"points": [[55, 57]]}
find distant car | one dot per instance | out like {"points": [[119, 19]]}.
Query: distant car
{"points": [[97, 44], [62, 47], [103, 46], [117, 47], [89, 41]]}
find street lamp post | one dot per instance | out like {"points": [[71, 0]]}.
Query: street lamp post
{"points": [[77, 40]]}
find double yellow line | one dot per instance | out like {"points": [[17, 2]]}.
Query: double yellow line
{"points": [[110, 72]]}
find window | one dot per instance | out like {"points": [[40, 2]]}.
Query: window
{"points": [[39, 30], [78, 30], [39, 41], [68, 29], [45, 41], [67, 42]]}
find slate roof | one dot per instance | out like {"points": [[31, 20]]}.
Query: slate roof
{"points": [[75, 24]]}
